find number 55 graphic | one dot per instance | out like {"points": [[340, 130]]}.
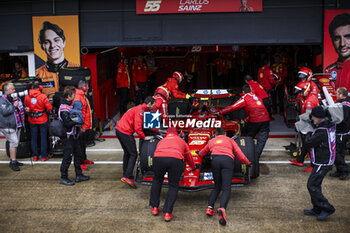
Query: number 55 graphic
{"points": [[152, 6]]}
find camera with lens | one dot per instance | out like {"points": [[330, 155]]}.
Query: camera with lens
{"points": [[16, 94], [20, 94]]}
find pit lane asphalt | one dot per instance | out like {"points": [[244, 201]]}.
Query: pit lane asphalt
{"points": [[32, 200]]}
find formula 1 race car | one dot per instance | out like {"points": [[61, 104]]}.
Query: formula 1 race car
{"points": [[197, 135]]}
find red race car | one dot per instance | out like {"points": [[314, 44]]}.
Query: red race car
{"points": [[198, 127]]}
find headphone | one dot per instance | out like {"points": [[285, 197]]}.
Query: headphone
{"points": [[40, 87], [83, 85], [37, 85]]}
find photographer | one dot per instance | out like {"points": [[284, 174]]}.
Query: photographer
{"points": [[71, 144], [11, 120], [322, 142]]}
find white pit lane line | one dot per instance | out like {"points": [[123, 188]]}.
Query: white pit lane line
{"points": [[121, 150], [121, 162]]}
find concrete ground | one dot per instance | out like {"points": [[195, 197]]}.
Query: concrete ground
{"points": [[32, 200]]}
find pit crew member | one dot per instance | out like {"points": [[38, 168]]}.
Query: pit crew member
{"points": [[164, 92], [169, 156], [124, 84], [309, 102], [281, 71], [222, 149], [258, 116], [80, 99], [36, 105], [130, 123], [259, 91], [266, 77], [140, 73]]}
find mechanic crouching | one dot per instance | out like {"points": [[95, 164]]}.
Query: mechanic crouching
{"points": [[222, 148], [169, 156], [322, 142]]}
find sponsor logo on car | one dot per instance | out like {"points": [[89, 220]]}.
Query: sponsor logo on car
{"points": [[197, 142]]}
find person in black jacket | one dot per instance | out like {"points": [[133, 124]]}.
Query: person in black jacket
{"points": [[343, 130], [322, 142], [71, 144]]}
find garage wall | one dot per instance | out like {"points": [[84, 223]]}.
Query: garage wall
{"points": [[115, 23]]}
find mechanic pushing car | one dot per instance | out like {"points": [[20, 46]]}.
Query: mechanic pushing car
{"points": [[322, 142], [169, 157], [130, 123], [260, 92], [258, 116], [163, 92], [221, 148], [308, 93]]}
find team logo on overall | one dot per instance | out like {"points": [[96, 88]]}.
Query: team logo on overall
{"points": [[334, 74], [33, 101], [151, 120]]}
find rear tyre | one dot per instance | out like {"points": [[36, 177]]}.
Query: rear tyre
{"points": [[146, 155], [247, 146]]}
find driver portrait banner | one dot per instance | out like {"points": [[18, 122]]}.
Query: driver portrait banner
{"points": [[56, 46], [330, 55], [196, 6]]}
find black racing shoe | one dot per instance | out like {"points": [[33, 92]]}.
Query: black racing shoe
{"points": [[14, 166], [66, 181], [81, 178], [323, 215], [335, 174], [343, 176], [310, 212], [19, 163]]}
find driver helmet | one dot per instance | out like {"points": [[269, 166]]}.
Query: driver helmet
{"points": [[304, 87], [305, 73], [178, 76]]}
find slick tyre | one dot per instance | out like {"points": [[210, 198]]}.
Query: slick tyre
{"points": [[247, 146], [146, 155]]}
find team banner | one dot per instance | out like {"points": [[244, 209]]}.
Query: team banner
{"points": [[336, 21], [196, 6]]}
